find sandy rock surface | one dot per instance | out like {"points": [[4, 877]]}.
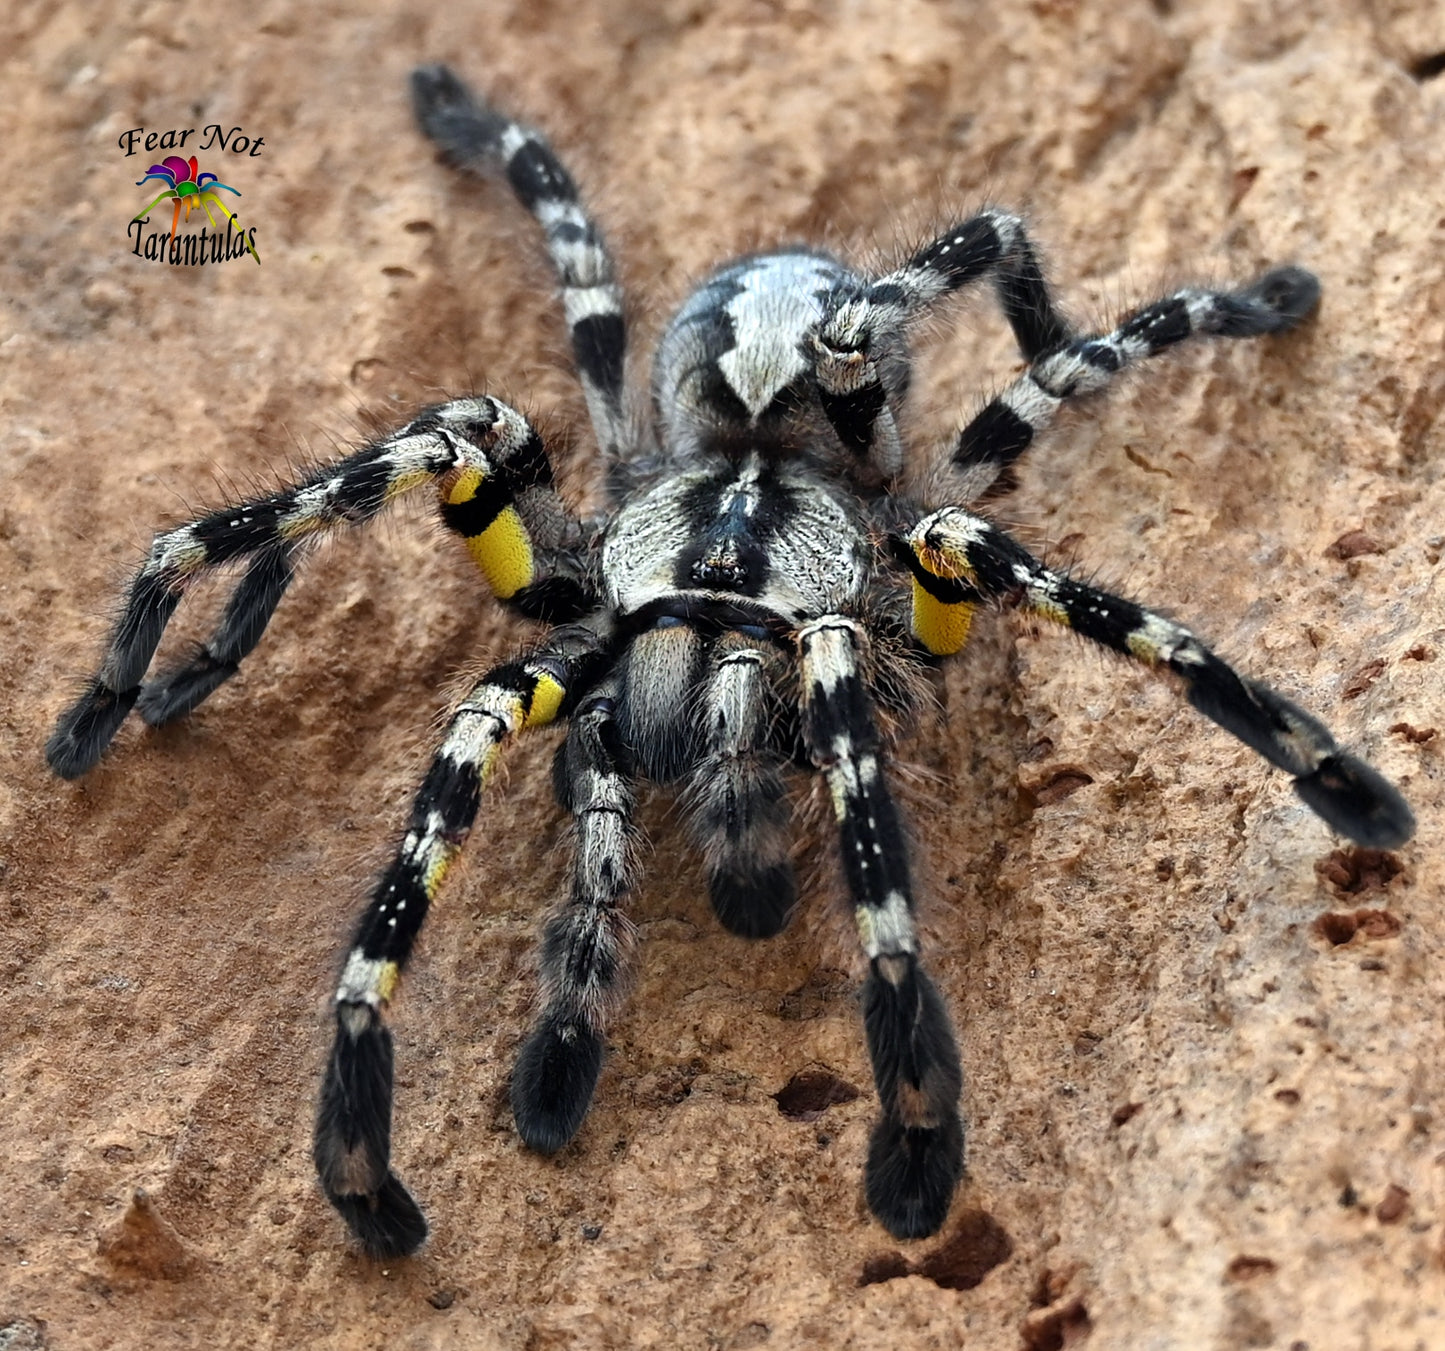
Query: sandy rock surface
{"points": [[1202, 1037]]}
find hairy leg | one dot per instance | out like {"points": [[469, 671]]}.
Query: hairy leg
{"points": [[915, 1157]]}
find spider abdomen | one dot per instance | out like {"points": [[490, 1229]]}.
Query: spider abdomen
{"points": [[733, 359]]}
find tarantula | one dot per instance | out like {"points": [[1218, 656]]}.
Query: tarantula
{"points": [[760, 600]]}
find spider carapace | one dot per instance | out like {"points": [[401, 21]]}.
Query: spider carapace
{"points": [[762, 601]]}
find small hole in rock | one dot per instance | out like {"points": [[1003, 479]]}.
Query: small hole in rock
{"points": [[883, 1266], [1355, 870], [1340, 927], [1418, 735], [1354, 544], [1396, 1202], [809, 1093], [1427, 67], [1064, 784], [1362, 679], [1336, 928], [1247, 1268], [978, 1244], [1058, 1328]]}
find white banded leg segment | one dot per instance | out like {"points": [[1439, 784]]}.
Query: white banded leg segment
{"points": [[1069, 367], [352, 1146], [448, 441], [585, 944], [477, 137], [915, 1157], [958, 558], [842, 741], [737, 797]]}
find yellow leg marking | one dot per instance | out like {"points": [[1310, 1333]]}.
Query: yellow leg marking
{"points": [[187, 561], [404, 483], [941, 627], [386, 980], [310, 521], [367, 980], [546, 700], [946, 562], [461, 485], [863, 920], [1050, 610], [503, 551], [1144, 647], [432, 880]]}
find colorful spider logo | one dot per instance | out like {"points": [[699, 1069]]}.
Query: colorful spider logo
{"points": [[190, 188]]}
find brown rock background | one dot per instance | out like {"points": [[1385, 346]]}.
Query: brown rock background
{"points": [[1204, 1045]]}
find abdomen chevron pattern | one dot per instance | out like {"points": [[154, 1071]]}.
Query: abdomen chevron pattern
{"points": [[761, 600]]}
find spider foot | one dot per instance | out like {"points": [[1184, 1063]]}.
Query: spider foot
{"points": [[352, 1146], [445, 107], [1350, 796], [387, 1223], [915, 1157], [1357, 801], [86, 728], [553, 1081], [912, 1173], [755, 903], [177, 692], [1280, 300]]}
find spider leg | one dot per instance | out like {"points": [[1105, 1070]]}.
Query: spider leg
{"points": [[497, 493], [182, 688], [352, 1147], [586, 943], [915, 1157], [958, 559], [738, 799], [474, 136], [859, 349], [861, 359], [1005, 427]]}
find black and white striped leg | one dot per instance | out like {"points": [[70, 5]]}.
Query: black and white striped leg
{"points": [[859, 351], [585, 944], [352, 1148], [497, 492], [915, 1157], [957, 559], [737, 796], [477, 137], [1006, 426]]}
